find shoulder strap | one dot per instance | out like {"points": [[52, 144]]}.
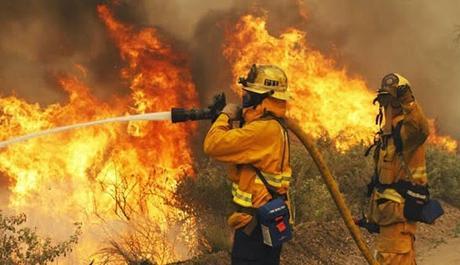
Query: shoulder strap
{"points": [[283, 125], [269, 188], [397, 137]]}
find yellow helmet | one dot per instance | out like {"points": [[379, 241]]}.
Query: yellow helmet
{"points": [[391, 83], [264, 79]]}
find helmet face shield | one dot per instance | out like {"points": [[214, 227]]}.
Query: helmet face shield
{"points": [[390, 80], [389, 84], [388, 91]]}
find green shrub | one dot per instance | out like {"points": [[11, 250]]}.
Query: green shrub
{"points": [[22, 245], [209, 194], [443, 170], [350, 169]]}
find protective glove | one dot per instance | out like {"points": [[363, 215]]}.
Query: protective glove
{"points": [[383, 99], [233, 111], [364, 223]]}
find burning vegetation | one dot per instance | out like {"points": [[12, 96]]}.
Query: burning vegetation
{"points": [[326, 101], [120, 180]]}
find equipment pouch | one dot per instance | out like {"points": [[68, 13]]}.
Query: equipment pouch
{"points": [[419, 207], [431, 211], [274, 221], [416, 196]]}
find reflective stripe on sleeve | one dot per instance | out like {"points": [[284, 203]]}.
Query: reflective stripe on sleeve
{"points": [[240, 197]]}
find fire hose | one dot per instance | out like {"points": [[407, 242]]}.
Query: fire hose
{"points": [[333, 188], [182, 115]]}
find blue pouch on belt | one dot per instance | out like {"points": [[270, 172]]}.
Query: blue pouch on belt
{"points": [[431, 211], [274, 222]]}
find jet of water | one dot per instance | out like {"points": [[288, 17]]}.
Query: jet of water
{"points": [[157, 116]]}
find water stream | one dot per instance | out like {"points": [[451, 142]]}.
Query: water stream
{"points": [[156, 116]]}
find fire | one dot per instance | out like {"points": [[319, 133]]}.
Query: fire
{"points": [[445, 142], [326, 101], [118, 179]]}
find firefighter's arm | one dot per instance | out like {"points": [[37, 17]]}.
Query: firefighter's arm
{"points": [[415, 129], [240, 145]]}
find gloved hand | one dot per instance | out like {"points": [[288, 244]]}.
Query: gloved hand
{"points": [[404, 94], [233, 111], [364, 223], [383, 99]]}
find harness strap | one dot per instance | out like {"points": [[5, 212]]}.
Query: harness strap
{"points": [[283, 125], [269, 188], [381, 140]]}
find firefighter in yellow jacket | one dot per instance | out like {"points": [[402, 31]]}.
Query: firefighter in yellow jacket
{"points": [[399, 170], [260, 144]]}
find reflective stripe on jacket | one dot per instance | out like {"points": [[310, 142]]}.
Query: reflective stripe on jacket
{"points": [[261, 142], [410, 164], [393, 166]]}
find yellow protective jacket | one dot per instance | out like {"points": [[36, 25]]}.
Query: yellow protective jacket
{"points": [[261, 142], [396, 233]]}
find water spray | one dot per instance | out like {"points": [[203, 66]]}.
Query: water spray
{"points": [[210, 113], [158, 116], [175, 115]]}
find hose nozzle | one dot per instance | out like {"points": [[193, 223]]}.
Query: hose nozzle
{"points": [[209, 113]]}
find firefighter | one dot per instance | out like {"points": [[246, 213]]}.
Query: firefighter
{"points": [[399, 186], [258, 154]]}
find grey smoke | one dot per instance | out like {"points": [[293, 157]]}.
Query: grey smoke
{"points": [[417, 38]]}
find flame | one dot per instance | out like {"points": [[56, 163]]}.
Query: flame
{"points": [[112, 175], [445, 142], [122, 177], [326, 101]]}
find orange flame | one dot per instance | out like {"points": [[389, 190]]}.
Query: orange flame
{"points": [[445, 142], [325, 99], [109, 175]]}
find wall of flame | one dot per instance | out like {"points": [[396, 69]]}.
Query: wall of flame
{"points": [[111, 177], [326, 100], [122, 177]]}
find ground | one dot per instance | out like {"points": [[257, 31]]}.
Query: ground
{"points": [[329, 243]]}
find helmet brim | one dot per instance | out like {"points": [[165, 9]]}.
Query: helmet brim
{"points": [[276, 94]]}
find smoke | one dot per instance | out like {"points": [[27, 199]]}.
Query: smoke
{"points": [[413, 38], [369, 38], [418, 39], [41, 39]]}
